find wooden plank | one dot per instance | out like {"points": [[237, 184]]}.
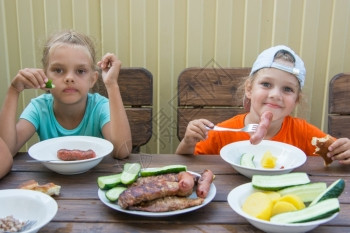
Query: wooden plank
{"points": [[211, 86], [140, 120], [339, 125], [215, 115], [339, 94]]}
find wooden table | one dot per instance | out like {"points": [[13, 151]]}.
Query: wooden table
{"points": [[80, 210]]}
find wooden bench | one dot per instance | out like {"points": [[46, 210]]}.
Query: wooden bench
{"points": [[339, 106], [210, 93], [136, 88]]}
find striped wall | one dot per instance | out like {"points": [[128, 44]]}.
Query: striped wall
{"points": [[167, 36]]}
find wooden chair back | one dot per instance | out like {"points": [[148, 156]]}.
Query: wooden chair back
{"points": [[136, 88], [210, 93], [339, 106]]}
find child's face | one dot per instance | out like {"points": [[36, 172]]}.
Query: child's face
{"points": [[70, 68], [273, 90]]}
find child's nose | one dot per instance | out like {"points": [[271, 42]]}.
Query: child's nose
{"points": [[69, 78]]}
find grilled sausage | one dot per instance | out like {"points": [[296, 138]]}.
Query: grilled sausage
{"points": [[263, 126], [70, 155], [204, 183], [186, 184]]}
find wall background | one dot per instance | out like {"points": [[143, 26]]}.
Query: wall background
{"points": [[167, 36]]}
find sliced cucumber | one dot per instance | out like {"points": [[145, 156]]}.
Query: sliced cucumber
{"points": [[113, 194], [333, 191], [306, 192], [320, 210], [108, 182], [278, 182], [130, 173], [49, 84], [247, 160], [163, 170]]}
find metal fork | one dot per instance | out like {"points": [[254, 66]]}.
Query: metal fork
{"points": [[247, 128]]}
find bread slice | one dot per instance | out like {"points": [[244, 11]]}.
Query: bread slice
{"points": [[49, 188], [321, 149]]}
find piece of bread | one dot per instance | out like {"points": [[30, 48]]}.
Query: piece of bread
{"points": [[49, 188], [321, 149]]}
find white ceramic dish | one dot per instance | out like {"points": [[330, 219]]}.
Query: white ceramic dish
{"points": [[47, 150], [28, 205], [236, 199], [209, 198], [288, 157]]}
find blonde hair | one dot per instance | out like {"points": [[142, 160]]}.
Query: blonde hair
{"points": [[69, 37]]}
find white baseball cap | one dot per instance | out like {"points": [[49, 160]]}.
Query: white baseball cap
{"points": [[266, 60]]}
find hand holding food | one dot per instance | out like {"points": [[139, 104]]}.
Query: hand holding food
{"points": [[263, 126], [321, 147]]}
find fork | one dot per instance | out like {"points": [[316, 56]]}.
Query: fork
{"points": [[247, 128]]}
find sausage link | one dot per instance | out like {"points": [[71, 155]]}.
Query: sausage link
{"points": [[186, 184], [70, 155], [204, 183], [263, 126]]}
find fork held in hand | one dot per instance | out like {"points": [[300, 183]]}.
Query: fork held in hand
{"points": [[247, 128]]}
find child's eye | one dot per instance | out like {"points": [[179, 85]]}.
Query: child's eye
{"points": [[58, 70], [81, 71], [288, 89], [266, 84]]}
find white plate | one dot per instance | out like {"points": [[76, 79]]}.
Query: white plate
{"points": [[47, 150], [288, 157], [239, 194], [28, 205], [209, 198]]}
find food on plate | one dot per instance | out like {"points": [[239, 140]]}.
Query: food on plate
{"points": [[157, 193], [268, 160], [11, 224], [48, 188], [204, 183], [71, 155], [186, 183], [263, 126], [247, 160], [258, 205], [130, 173], [154, 171], [277, 182], [334, 190], [307, 192], [321, 147], [168, 204]]}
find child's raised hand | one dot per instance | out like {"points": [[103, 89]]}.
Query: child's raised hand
{"points": [[196, 131], [110, 66], [340, 150], [29, 78]]}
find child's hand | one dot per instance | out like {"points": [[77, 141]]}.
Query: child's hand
{"points": [[196, 131], [29, 78], [110, 66], [340, 150]]}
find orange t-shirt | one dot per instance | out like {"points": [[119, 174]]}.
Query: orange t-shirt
{"points": [[294, 131]]}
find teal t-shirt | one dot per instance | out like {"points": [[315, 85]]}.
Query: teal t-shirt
{"points": [[40, 113]]}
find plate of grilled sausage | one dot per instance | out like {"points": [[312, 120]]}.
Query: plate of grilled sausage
{"points": [[165, 195]]}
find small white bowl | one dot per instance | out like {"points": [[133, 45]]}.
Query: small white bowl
{"points": [[27, 205], [288, 157], [47, 150], [239, 194]]}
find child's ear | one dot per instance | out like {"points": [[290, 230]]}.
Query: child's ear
{"points": [[94, 79], [248, 89]]}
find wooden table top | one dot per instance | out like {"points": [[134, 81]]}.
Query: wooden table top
{"points": [[80, 209]]}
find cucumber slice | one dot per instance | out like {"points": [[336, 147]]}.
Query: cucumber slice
{"points": [[130, 173], [108, 182], [333, 191], [306, 192], [278, 182], [162, 170], [247, 160], [113, 194], [49, 84], [320, 210]]}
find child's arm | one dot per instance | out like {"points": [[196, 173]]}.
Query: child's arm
{"points": [[5, 158], [117, 130], [16, 134], [195, 132], [340, 150]]}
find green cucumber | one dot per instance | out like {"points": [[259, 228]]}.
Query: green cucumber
{"points": [[130, 173], [320, 210], [108, 182], [306, 192], [49, 84], [154, 171], [113, 194], [278, 182], [333, 191], [247, 160]]}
